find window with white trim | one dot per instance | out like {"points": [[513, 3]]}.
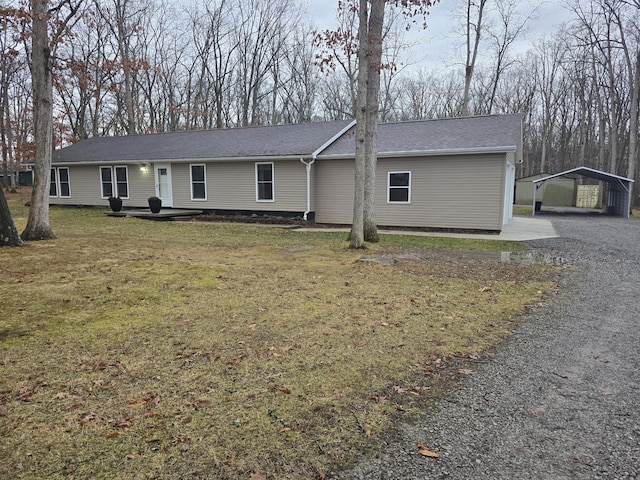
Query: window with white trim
{"points": [[60, 185], [53, 186], [114, 182], [264, 182], [64, 184], [198, 182], [399, 187]]}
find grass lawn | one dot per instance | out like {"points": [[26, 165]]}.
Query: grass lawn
{"points": [[522, 209], [135, 349]]}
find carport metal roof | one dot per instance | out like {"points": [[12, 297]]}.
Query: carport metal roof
{"points": [[619, 188]]}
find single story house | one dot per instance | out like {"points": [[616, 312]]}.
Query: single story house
{"points": [[456, 173]]}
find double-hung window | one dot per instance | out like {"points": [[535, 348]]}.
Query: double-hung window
{"points": [[264, 182], [53, 186], [198, 182], [399, 187], [114, 182], [60, 185]]}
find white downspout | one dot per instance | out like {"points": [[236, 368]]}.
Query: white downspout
{"points": [[314, 155], [308, 165]]}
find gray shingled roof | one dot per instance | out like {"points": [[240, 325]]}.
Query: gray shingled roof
{"points": [[249, 142], [447, 135], [491, 132]]}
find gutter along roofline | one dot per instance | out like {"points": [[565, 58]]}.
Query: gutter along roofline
{"points": [[429, 153], [268, 158]]}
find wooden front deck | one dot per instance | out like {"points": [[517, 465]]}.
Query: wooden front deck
{"points": [[166, 214]]}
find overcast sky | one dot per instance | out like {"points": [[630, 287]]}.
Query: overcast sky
{"points": [[437, 45]]}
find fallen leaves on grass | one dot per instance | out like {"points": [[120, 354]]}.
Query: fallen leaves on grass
{"points": [[87, 417], [125, 423], [465, 371], [149, 401], [403, 390], [25, 394]]}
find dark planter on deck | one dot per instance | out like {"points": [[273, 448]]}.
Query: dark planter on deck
{"points": [[155, 204], [115, 203]]}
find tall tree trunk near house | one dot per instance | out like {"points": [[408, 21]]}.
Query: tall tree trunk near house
{"points": [[38, 227], [356, 238], [8, 233], [376, 20]]}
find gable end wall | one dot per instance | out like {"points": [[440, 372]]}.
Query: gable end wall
{"points": [[458, 192]]}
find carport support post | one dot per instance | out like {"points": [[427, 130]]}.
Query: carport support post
{"points": [[533, 207]]}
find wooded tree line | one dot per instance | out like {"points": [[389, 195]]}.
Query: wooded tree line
{"points": [[138, 66]]}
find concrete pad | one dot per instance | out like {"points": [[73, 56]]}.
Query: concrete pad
{"points": [[519, 229], [528, 228]]}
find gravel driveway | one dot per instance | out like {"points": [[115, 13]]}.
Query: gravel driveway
{"points": [[561, 397]]}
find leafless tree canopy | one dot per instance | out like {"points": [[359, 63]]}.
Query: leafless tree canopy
{"points": [[138, 66]]}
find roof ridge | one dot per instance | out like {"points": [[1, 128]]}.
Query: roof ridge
{"points": [[441, 119], [222, 129]]}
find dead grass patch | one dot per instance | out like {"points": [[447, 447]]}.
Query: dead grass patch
{"points": [[134, 349]]}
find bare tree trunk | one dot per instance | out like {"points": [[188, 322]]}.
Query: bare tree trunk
{"points": [[472, 51], [125, 58], [8, 233], [5, 125], [356, 239], [38, 227], [543, 156], [373, 67], [633, 74], [633, 119], [602, 126]]}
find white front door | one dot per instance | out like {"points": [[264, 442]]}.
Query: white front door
{"points": [[163, 184]]}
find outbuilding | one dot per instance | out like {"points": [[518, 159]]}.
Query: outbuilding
{"points": [[618, 189]]}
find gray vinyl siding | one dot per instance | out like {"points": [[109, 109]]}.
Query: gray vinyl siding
{"points": [[142, 185], [84, 183], [463, 192], [232, 186]]}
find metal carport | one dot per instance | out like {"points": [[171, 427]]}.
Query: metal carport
{"points": [[619, 188]]}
